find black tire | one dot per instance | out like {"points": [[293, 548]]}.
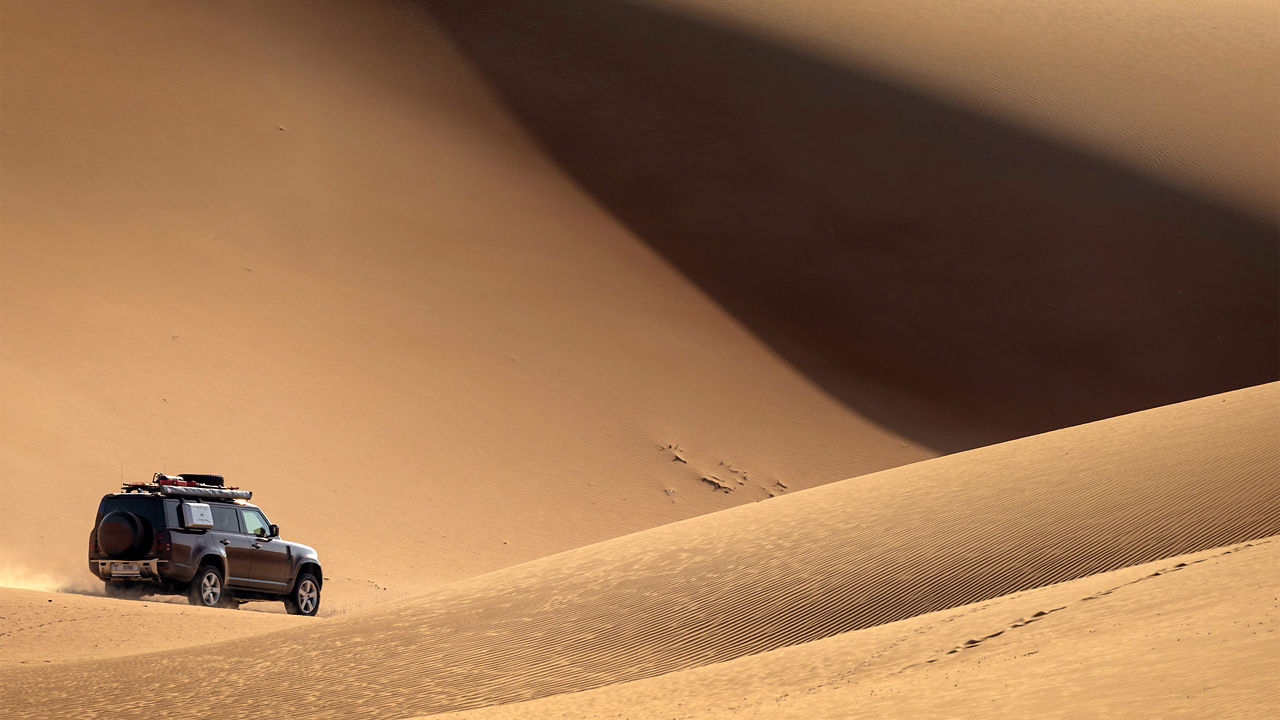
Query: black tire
{"points": [[208, 589], [305, 597], [123, 535]]}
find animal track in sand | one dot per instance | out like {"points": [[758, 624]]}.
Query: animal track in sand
{"points": [[1040, 615]]}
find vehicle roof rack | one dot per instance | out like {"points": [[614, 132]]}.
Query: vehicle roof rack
{"points": [[189, 485]]}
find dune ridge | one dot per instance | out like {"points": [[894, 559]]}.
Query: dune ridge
{"points": [[849, 555], [1185, 637]]}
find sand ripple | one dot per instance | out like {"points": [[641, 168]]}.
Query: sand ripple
{"points": [[797, 568]]}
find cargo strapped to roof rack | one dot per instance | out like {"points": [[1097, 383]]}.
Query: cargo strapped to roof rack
{"points": [[188, 485]]}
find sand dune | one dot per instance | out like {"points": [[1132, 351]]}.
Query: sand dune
{"points": [[39, 627], [928, 263], [302, 245], [1191, 636], [557, 328], [1072, 71], [346, 253], [795, 569]]}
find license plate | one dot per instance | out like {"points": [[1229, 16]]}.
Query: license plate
{"points": [[124, 568]]}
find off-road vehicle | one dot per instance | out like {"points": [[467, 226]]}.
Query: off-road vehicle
{"points": [[191, 534]]}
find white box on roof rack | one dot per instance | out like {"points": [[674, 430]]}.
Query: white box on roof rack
{"points": [[197, 516]]}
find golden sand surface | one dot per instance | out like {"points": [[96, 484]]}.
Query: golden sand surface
{"points": [[41, 627], [1189, 636], [856, 554], [652, 358], [425, 351]]}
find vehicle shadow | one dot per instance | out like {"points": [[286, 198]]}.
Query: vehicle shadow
{"points": [[164, 599], [957, 279]]}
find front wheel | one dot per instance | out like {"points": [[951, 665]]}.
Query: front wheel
{"points": [[207, 588], [305, 598]]}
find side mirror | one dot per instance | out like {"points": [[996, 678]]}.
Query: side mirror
{"points": [[273, 531]]}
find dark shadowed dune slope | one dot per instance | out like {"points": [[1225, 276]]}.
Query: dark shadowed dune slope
{"points": [[959, 279]]}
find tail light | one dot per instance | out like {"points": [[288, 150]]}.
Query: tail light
{"points": [[163, 545], [93, 542]]}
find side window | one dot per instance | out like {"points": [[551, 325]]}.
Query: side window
{"points": [[224, 518], [254, 522], [171, 514]]}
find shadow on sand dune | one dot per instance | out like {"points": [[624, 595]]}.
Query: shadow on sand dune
{"points": [[959, 280]]}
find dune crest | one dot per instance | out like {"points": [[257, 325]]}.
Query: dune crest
{"points": [[1190, 636]]}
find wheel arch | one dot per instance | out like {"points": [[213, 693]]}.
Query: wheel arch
{"points": [[214, 559], [312, 567]]}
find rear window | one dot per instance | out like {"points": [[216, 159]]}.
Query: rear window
{"points": [[145, 506]]}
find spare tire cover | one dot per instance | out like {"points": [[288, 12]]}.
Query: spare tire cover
{"points": [[123, 535]]}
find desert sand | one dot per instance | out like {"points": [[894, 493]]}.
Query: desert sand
{"points": [[666, 358], [856, 554], [1146, 641], [42, 627]]}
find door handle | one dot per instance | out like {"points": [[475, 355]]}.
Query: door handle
{"points": [[258, 546], [225, 541]]}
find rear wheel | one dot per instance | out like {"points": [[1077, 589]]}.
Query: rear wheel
{"points": [[207, 588], [305, 598]]}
